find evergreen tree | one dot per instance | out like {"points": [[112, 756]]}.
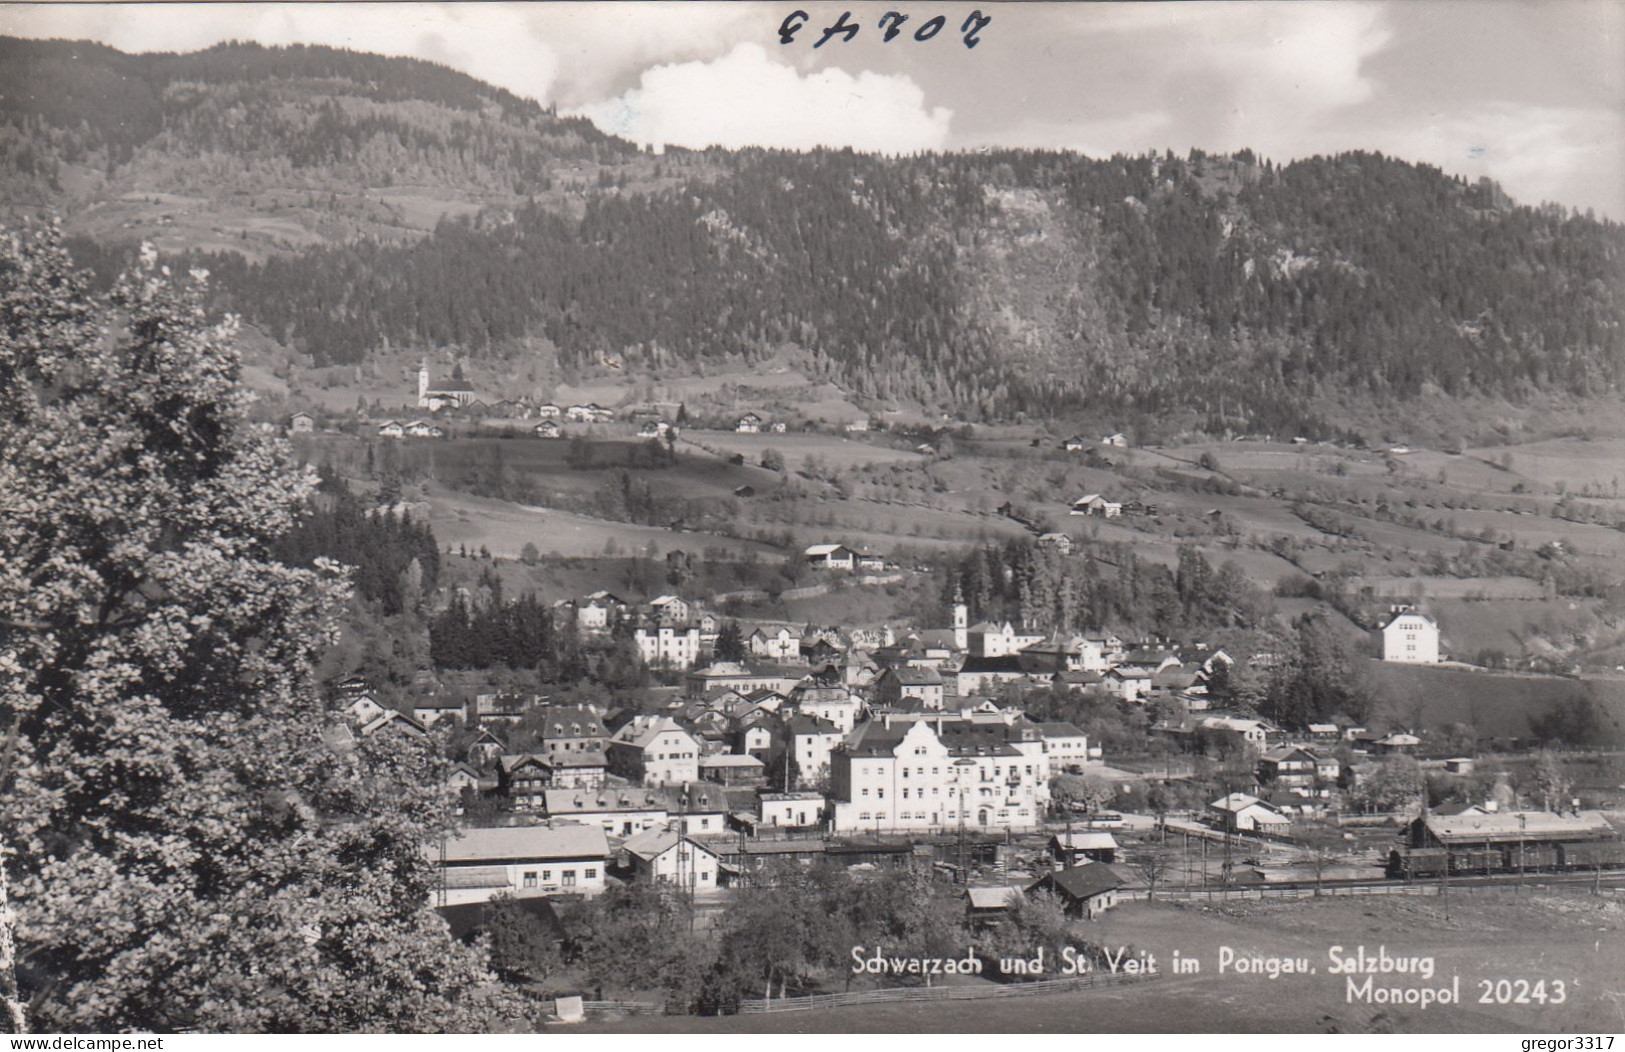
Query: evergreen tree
{"points": [[186, 849]]}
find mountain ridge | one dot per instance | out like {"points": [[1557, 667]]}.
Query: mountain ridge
{"points": [[346, 202]]}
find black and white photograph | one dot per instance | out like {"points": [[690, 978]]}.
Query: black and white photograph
{"points": [[728, 519]]}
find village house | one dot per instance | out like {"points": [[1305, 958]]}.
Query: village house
{"points": [[1116, 440], [499, 707], [522, 861], [728, 675], [1288, 767], [595, 612], [1255, 733], [668, 646], [732, 769], [429, 710], [654, 750], [423, 429], [811, 741], [989, 640], [617, 810], [781, 644], [1084, 891], [1066, 746], [391, 429], [524, 778], [1126, 683], [896, 684], [1242, 813], [547, 429], [749, 424], [662, 856], [1075, 444], [986, 675], [548, 411], [789, 811], [301, 424], [570, 729], [1410, 637], [671, 609], [836, 704]]}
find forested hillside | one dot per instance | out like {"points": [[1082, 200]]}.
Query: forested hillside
{"points": [[1238, 291]]}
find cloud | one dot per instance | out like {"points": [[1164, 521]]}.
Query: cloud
{"points": [[1538, 153], [746, 99]]}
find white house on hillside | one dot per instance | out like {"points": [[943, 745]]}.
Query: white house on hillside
{"points": [[1410, 637]]}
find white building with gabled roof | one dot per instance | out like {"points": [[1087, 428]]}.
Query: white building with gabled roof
{"points": [[1411, 638]]}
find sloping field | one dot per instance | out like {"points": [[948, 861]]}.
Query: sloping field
{"points": [[505, 528], [1496, 705]]}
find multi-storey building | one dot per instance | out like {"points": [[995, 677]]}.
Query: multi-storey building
{"points": [[904, 775], [654, 750]]}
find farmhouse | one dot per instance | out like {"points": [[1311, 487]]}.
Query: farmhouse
{"points": [[391, 429], [1058, 541], [521, 861], [749, 424], [1410, 637], [301, 423], [831, 557], [547, 429], [1117, 440], [547, 411], [1095, 504], [1075, 444]]}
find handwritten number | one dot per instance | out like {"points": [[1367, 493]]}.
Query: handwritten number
{"points": [[896, 18], [931, 28], [973, 25], [844, 25], [791, 26]]}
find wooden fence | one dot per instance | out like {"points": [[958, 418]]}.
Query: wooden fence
{"points": [[939, 993], [625, 1007]]}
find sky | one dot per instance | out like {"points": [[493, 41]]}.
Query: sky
{"points": [[1528, 92]]}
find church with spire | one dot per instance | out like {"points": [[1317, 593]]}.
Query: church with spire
{"points": [[453, 395]]}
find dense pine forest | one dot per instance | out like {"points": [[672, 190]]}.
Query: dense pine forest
{"points": [[1241, 292]]}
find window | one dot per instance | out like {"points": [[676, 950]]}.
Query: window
{"points": [[880, 793], [530, 878], [866, 792], [547, 876], [589, 874], [569, 878]]}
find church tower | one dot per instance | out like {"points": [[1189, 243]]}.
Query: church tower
{"points": [[423, 384], [961, 622]]}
